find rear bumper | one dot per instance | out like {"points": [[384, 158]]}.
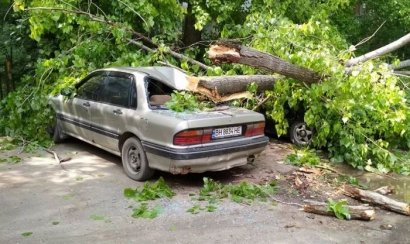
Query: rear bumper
{"points": [[205, 158], [205, 151]]}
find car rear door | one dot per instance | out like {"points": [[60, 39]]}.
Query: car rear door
{"points": [[118, 99]]}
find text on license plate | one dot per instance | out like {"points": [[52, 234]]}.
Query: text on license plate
{"points": [[227, 132]]}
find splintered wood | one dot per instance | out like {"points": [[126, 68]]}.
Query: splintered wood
{"points": [[377, 199]]}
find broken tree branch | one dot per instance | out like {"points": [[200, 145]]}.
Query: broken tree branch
{"points": [[257, 106], [369, 37], [377, 199], [403, 64], [380, 51], [402, 73], [356, 212], [229, 52]]}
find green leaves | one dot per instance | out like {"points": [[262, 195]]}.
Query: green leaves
{"points": [[27, 234], [150, 191], [303, 157], [339, 208], [143, 211], [185, 101], [244, 192]]}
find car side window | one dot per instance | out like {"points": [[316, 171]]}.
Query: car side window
{"points": [[91, 89], [117, 89]]}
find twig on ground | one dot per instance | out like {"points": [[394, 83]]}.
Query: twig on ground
{"points": [[330, 169], [57, 158], [287, 203]]}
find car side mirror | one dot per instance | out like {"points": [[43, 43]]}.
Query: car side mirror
{"points": [[68, 92]]}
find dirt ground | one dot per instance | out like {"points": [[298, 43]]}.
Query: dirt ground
{"points": [[83, 202]]}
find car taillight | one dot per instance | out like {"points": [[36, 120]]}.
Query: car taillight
{"points": [[192, 137], [255, 129]]}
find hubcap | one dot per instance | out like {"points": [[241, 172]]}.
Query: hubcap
{"points": [[134, 159], [303, 134]]}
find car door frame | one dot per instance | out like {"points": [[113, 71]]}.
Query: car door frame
{"points": [[76, 119]]}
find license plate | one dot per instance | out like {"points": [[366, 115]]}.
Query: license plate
{"points": [[227, 132]]}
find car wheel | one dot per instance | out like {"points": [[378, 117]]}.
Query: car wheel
{"points": [[58, 134], [134, 160], [300, 134]]}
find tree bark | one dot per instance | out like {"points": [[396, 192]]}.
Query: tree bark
{"points": [[380, 51], [356, 212], [377, 199], [405, 73], [403, 64], [225, 88], [228, 52]]}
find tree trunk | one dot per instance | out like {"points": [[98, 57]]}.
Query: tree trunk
{"points": [[1, 87], [225, 88], [190, 35], [228, 52], [356, 212], [381, 51], [9, 72], [378, 199]]}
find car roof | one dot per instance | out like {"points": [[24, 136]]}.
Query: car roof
{"points": [[172, 77]]}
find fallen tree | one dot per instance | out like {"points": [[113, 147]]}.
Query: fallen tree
{"points": [[225, 88], [229, 52], [377, 199]]}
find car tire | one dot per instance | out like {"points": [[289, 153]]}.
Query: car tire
{"points": [[134, 160], [300, 134], [58, 134]]}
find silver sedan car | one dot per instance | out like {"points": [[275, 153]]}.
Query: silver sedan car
{"points": [[121, 110]]}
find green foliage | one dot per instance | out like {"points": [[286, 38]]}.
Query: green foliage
{"points": [[97, 217], [150, 191], [27, 234], [248, 192], [11, 160], [143, 211], [7, 143], [303, 157], [339, 208], [25, 114], [182, 101], [185, 101], [244, 192], [195, 209]]}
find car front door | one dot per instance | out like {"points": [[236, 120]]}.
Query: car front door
{"points": [[108, 119], [77, 117]]}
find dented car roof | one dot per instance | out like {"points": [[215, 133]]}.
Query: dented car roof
{"points": [[172, 77]]}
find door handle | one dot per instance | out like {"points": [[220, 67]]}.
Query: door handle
{"points": [[117, 112], [86, 104]]}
